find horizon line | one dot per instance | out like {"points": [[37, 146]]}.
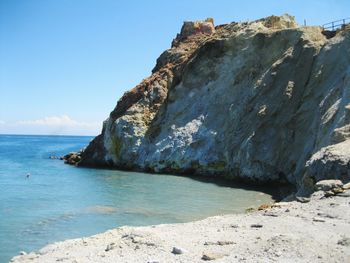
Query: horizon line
{"points": [[23, 134]]}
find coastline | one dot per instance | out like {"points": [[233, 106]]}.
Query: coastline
{"points": [[316, 231]]}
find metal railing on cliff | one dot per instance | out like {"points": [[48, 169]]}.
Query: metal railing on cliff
{"points": [[334, 25]]}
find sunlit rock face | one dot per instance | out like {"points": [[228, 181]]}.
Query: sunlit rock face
{"points": [[252, 101]]}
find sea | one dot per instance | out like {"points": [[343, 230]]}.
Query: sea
{"points": [[43, 200]]}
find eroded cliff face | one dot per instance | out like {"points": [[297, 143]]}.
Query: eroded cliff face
{"points": [[259, 101]]}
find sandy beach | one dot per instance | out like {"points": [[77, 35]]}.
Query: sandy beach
{"points": [[315, 231]]}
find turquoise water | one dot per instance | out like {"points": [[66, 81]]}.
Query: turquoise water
{"points": [[59, 201]]}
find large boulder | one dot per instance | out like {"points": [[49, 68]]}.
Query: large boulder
{"points": [[331, 162]]}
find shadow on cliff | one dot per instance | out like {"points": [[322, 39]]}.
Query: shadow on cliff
{"points": [[277, 190]]}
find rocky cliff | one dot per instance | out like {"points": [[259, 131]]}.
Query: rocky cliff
{"points": [[260, 101]]}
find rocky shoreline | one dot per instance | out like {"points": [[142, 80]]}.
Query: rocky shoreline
{"points": [[264, 101], [316, 229]]}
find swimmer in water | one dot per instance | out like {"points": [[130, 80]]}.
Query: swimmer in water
{"points": [[28, 174]]}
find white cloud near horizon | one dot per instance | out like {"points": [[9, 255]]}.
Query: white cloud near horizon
{"points": [[52, 125]]}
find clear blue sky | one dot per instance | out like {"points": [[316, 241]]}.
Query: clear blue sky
{"points": [[65, 63]]}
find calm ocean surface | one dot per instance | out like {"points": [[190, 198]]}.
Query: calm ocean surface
{"points": [[59, 201]]}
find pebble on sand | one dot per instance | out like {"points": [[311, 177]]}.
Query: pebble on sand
{"points": [[178, 251], [212, 256]]}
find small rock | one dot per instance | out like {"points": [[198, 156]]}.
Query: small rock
{"points": [[345, 194], [212, 256], [329, 194], [318, 219], [326, 185], [287, 210], [326, 215], [220, 243], [278, 253], [109, 247], [150, 244], [178, 251], [235, 226], [302, 199], [264, 207], [337, 190], [256, 225], [346, 186], [270, 214], [224, 243], [250, 209], [22, 253], [345, 241]]}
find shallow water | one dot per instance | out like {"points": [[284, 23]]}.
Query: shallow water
{"points": [[59, 201]]}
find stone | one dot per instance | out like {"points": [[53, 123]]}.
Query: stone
{"points": [[225, 243], [72, 158], [318, 219], [256, 226], [331, 162], [345, 241], [346, 186], [264, 206], [326, 215], [212, 256], [250, 210], [327, 185], [22, 253], [219, 243], [109, 247], [190, 28], [329, 193], [337, 190], [270, 214], [302, 199], [344, 194], [178, 251]]}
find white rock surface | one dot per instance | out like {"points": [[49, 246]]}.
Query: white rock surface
{"points": [[326, 185], [253, 101]]}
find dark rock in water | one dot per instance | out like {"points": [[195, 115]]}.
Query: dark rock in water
{"points": [[72, 158]]}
